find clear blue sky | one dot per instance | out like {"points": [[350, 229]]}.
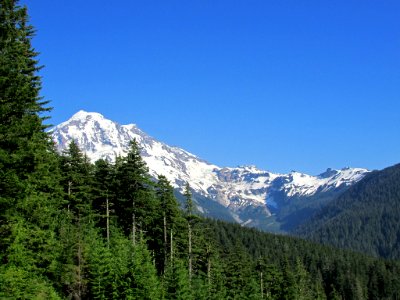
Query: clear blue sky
{"points": [[284, 85]]}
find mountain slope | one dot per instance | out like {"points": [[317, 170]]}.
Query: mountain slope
{"points": [[245, 194], [364, 218]]}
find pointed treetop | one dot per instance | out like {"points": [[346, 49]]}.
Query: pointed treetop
{"points": [[188, 200]]}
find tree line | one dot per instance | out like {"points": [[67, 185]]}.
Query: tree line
{"points": [[365, 218]]}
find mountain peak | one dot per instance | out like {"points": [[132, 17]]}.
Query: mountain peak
{"points": [[84, 115], [328, 173], [239, 190]]}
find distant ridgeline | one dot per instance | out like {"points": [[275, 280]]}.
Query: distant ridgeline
{"points": [[245, 194], [365, 218]]}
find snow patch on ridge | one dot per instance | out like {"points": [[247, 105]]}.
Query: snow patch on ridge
{"points": [[234, 188]]}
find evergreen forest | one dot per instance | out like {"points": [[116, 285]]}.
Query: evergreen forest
{"points": [[70, 229], [365, 218]]}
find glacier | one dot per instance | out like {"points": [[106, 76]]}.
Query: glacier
{"points": [[249, 195]]}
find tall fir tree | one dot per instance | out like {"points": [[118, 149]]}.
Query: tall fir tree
{"points": [[144, 283], [176, 281], [20, 104], [77, 181], [104, 195], [241, 276], [29, 189], [136, 202], [169, 220], [189, 216]]}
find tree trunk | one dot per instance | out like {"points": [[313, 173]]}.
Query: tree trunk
{"points": [[209, 266], [209, 273], [171, 248], [108, 222], [69, 193], [165, 240], [79, 254], [262, 285], [190, 252], [133, 230]]}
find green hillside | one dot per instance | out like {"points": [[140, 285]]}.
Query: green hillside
{"points": [[365, 218]]}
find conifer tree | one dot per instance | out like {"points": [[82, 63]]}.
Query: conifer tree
{"points": [[29, 190], [319, 292], [77, 181], [144, 283], [20, 104], [273, 280], [134, 192], [189, 217], [170, 217], [303, 283], [176, 281], [119, 268], [21, 127], [215, 280], [289, 289], [241, 276], [104, 194], [100, 261], [260, 269]]}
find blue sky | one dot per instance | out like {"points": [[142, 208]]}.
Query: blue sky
{"points": [[284, 85]]}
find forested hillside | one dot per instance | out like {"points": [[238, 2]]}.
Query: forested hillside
{"points": [[70, 229], [365, 218]]}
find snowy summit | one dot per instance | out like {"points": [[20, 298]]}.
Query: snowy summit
{"points": [[240, 190]]}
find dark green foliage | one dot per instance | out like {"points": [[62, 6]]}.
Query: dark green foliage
{"points": [[365, 218], [226, 260], [293, 211], [121, 270], [17, 283], [29, 190], [77, 181], [19, 95], [240, 274], [73, 230], [326, 270], [189, 206], [101, 268], [144, 283], [135, 198], [176, 281], [104, 196], [169, 220]]}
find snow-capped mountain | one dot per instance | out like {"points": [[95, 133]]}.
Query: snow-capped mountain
{"points": [[249, 195]]}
